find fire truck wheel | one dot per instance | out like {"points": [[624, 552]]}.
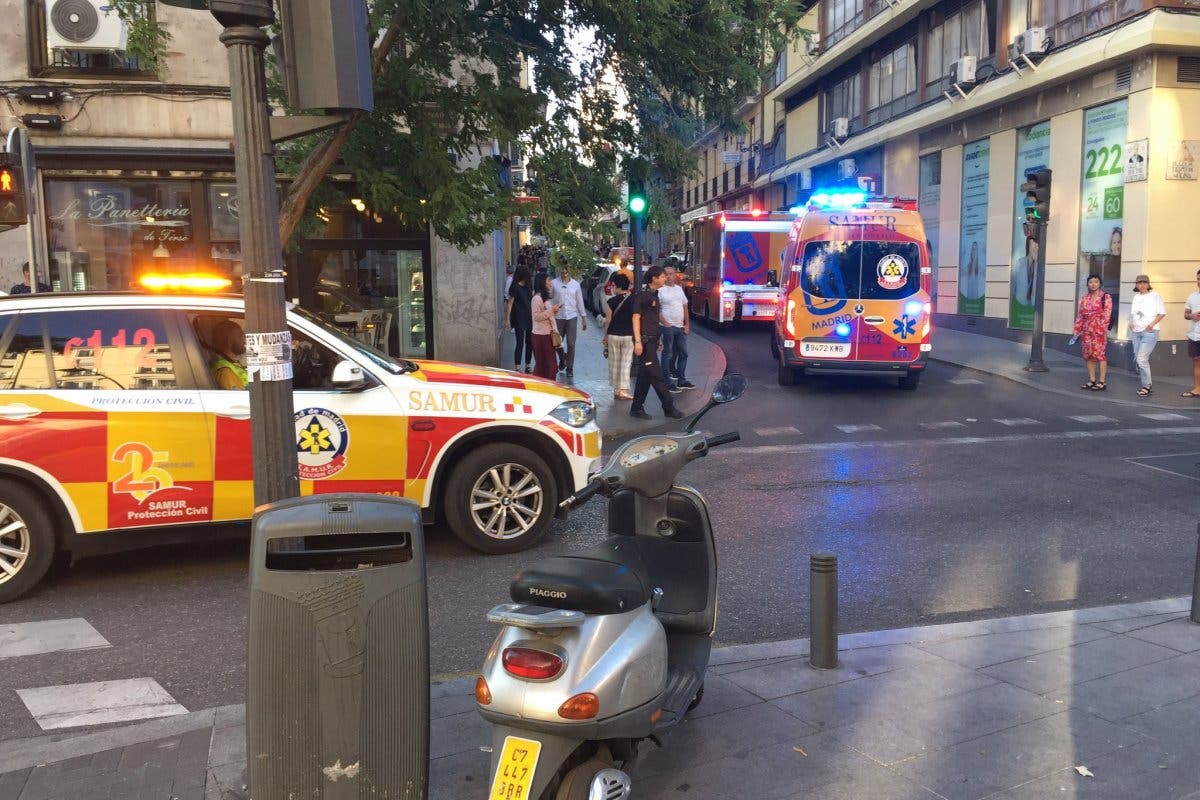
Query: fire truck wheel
{"points": [[26, 540], [501, 499]]}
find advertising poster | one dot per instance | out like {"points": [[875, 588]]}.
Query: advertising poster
{"points": [[929, 203], [972, 243], [1103, 195], [1033, 153]]}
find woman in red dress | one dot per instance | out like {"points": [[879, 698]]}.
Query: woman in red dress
{"points": [[1091, 325]]}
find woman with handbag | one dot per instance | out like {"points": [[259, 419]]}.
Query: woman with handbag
{"points": [[544, 330], [618, 337]]}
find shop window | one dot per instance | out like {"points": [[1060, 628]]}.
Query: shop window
{"points": [[968, 30], [54, 24], [892, 84]]}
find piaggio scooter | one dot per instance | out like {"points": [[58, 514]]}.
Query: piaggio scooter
{"points": [[603, 649]]}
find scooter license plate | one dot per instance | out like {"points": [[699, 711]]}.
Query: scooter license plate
{"points": [[514, 775]]}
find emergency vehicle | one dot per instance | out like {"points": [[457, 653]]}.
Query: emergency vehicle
{"points": [[856, 296], [734, 261], [111, 421]]}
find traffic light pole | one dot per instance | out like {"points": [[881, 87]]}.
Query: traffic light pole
{"points": [[1036, 364], [268, 342], [635, 239]]}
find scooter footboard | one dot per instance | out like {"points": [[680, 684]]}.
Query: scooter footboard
{"points": [[526, 758]]}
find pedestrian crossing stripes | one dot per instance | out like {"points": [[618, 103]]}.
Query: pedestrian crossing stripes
{"points": [[78, 704], [1165, 417], [1092, 419], [965, 381], [783, 430], [950, 424], [1017, 421], [858, 428], [933, 426], [50, 636]]}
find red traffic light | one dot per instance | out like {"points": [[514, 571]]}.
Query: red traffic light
{"points": [[12, 197], [8, 182]]}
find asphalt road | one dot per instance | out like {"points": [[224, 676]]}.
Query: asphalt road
{"points": [[971, 497]]}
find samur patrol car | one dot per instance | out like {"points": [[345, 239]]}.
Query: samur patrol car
{"points": [[111, 421]]}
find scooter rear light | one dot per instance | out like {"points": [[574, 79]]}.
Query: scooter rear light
{"points": [[483, 693], [581, 706], [525, 662]]}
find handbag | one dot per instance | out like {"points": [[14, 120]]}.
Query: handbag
{"points": [[555, 338]]}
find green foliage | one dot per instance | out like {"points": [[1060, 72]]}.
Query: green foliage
{"points": [[147, 41]]}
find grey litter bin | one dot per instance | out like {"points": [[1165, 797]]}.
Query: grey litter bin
{"points": [[337, 680]]}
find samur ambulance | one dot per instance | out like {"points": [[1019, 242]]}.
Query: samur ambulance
{"points": [[855, 297], [734, 261], [111, 422]]}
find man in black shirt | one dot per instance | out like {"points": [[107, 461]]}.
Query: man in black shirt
{"points": [[645, 349]]}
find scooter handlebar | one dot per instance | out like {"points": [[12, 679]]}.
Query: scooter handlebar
{"points": [[584, 494], [723, 438]]}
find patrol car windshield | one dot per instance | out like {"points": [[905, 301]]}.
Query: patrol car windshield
{"points": [[857, 270], [396, 366]]}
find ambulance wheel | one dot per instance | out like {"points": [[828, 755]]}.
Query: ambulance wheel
{"points": [[501, 499], [26, 540], [787, 375], [910, 381]]}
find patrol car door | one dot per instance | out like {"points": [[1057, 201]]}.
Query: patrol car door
{"points": [[105, 404]]}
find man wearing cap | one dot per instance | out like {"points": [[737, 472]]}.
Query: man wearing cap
{"points": [[1145, 313]]}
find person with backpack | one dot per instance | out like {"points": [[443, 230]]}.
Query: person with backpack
{"points": [[1091, 326]]}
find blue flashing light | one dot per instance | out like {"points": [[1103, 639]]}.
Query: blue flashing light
{"points": [[838, 199], [843, 329], [728, 282], [796, 210], [912, 308]]}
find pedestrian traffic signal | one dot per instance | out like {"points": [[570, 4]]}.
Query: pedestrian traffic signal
{"points": [[1037, 195], [637, 197], [12, 196]]}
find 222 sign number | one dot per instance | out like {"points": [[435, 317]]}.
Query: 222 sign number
{"points": [[1107, 166]]}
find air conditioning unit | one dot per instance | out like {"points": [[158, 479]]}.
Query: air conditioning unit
{"points": [[806, 179], [839, 127], [846, 168], [91, 25], [1033, 42], [963, 71], [812, 44]]}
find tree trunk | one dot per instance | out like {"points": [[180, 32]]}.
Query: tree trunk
{"points": [[316, 166]]}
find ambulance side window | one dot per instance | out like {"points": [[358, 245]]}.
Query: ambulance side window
{"points": [[23, 365], [312, 363], [125, 348]]}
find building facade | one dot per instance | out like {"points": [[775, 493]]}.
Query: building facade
{"points": [[952, 102], [139, 177]]}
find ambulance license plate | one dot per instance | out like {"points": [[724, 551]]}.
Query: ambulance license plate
{"points": [[514, 774], [826, 349]]}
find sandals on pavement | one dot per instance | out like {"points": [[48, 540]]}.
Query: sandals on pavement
{"points": [[1089, 385], [1100, 386], [1145, 391], [1190, 394]]}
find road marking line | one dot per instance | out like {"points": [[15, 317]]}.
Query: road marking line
{"points": [[76, 704], [788, 449], [965, 381], [1092, 419], [941, 425], [1015, 421], [1165, 417], [1141, 463], [49, 636], [857, 428], [783, 430]]}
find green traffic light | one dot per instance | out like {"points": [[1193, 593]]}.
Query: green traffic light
{"points": [[637, 204]]}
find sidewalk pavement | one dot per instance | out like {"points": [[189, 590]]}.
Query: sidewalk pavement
{"points": [[705, 366], [1099, 703], [1067, 371]]}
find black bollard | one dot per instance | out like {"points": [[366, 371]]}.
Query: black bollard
{"points": [[1196, 582], [823, 611]]}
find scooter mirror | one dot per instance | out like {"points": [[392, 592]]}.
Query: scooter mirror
{"points": [[729, 388]]}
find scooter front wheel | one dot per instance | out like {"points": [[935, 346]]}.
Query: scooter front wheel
{"points": [[577, 784]]}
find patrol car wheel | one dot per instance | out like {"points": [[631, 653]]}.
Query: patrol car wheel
{"points": [[501, 499], [26, 540]]}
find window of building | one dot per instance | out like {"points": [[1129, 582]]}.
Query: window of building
{"points": [[844, 98], [892, 84], [841, 18], [968, 30], [51, 33], [1070, 19]]}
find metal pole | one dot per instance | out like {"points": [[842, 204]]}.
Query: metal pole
{"points": [[823, 611], [268, 343], [635, 238], [1036, 364], [1196, 582]]}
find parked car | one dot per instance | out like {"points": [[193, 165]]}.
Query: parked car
{"points": [[596, 277], [603, 289], [115, 421]]}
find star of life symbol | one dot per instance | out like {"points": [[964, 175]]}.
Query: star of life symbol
{"points": [[322, 439], [906, 326], [314, 438], [516, 404]]}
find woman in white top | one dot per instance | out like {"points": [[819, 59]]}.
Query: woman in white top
{"points": [[1145, 314]]}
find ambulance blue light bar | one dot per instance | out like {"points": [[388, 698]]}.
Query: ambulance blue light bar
{"points": [[836, 200]]}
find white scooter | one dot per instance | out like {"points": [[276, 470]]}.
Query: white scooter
{"points": [[603, 649]]}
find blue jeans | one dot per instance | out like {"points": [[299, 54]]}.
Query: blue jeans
{"points": [[1143, 345], [674, 354]]}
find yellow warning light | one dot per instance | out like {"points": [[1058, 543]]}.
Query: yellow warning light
{"points": [[185, 282]]}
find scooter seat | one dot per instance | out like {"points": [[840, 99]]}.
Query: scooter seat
{"points": [[610, 579]]}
